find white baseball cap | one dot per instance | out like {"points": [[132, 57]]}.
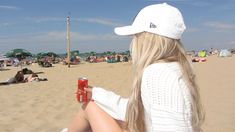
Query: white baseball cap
{"points": [[161, 19]]}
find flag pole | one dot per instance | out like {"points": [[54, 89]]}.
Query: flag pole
{"points": [[68, 40]]}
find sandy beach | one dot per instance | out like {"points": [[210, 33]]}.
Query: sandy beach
{"points": [[48, 106]]}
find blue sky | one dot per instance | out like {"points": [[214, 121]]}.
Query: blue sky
{"points": [[40, 25]]}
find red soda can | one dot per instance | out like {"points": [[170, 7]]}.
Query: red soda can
{"points": [[81, 93]]}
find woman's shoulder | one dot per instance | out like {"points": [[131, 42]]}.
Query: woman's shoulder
{"points": [[162, 68]]}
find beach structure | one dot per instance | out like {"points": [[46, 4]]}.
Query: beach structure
{"points": [[68, 41]]}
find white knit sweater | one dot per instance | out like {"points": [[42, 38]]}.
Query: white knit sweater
{"points": [[165, 97]]}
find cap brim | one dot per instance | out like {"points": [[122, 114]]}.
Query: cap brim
{"points": [[127, 30]]}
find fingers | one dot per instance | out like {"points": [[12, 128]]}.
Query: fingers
{"points": [[89, 93], [88, 90]]}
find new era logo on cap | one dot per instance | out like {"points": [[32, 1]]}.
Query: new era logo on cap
{"points": [[152, 25]]}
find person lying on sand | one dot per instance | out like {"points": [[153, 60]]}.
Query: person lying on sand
{"points": [[20, 77], [34, 78]]}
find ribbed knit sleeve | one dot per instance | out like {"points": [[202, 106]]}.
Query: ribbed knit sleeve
{"points": [[165, 98], [110, 102]]}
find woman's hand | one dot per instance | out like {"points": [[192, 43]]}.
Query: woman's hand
{"points": [[89, 96], [89, 92]]}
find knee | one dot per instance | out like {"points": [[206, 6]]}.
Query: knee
{"points": [[88, 107]]}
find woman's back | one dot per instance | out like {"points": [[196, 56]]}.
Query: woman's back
{"points": [[166, 98]]}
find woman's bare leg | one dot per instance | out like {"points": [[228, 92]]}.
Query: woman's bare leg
{"points": [[92, 117], [79, 123], [99, 120]]}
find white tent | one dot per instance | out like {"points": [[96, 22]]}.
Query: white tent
{"points": [[3, 58], [225, 53]]}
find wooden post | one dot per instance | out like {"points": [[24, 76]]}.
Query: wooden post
{"points": [[68, 41]]}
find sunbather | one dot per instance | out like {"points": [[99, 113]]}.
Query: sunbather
{"points": [[34, 78], [18, 78]]}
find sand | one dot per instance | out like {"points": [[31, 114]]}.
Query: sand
{"points": [[50, 105]]}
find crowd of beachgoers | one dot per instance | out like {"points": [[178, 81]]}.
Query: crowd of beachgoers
{"points": [[50, 58], [47, 60], [24, 59]]}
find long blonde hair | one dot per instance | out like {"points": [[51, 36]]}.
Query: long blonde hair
{"points": [[146, 49]]}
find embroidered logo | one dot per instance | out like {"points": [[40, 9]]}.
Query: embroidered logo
{"points": [[152, 25]]}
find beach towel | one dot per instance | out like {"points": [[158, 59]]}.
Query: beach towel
{"points": [[199, 60]]}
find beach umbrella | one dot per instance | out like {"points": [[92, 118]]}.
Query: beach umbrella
{"points": [[18, 53], [107, 53], [93, 53], [39, 55], [51, 54], [74, 53]]}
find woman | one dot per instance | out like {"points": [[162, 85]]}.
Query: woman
{"points": [[164, 96]]}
